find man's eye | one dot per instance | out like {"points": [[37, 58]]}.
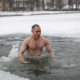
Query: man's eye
{"points": [[38, 31]]}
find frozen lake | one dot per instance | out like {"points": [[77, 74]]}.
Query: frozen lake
{"points": [[59, 29]]}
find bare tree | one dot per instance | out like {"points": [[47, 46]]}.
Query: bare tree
{"points": [[11, 4], [3, 6], [37, 5], [77, 4], [59, 4], [43, 5], [53, 4], [70, 2]]}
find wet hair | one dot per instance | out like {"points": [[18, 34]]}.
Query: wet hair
{"points": [[35, 25]]}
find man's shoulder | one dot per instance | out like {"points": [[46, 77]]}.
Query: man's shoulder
{"points": [[27, 39], [44, 38]]}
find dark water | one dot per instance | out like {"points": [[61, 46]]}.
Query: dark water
{"points": [[65, 67]]}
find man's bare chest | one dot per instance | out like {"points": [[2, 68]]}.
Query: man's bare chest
{"points": [[36, 44]]}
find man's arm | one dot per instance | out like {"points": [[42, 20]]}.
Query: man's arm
{"points": [[48, 48], [21, 51]]}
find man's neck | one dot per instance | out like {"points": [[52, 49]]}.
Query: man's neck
{"points": [[36, 38]]}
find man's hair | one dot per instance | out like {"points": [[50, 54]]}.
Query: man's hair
{"points": [[35, 25]]}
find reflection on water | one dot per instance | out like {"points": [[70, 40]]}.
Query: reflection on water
{"points": [[37, 67], [39, 72]]}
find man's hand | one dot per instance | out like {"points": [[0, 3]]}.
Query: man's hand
{"points": [[25, 62]]}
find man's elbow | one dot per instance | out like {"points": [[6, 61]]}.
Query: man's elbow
{"points": [[19, 54]]}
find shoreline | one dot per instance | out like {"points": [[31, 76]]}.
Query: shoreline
{"points": [[24, 13]]}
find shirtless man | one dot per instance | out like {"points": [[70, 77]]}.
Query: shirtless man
{"points": [[34, 44]]}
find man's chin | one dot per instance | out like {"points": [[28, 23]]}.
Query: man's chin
{"points": [[38, 36]]}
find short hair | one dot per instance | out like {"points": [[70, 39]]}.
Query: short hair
{"points": [[35, 25]]}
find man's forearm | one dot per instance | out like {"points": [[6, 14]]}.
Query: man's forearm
{"points": [[52, 54], [22, 58]]}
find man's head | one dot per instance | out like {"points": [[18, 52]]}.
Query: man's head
{"points": [[36, 30]]}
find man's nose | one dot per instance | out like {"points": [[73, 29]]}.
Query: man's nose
{"points": [[39, 33]]}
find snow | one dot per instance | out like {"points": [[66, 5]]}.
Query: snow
{"points": [[9, 76], [51, 24]]}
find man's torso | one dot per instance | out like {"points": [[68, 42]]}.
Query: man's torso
{"points": [[35, 47]]}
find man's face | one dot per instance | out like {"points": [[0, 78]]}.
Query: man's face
{"points": [[36, 32]]}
